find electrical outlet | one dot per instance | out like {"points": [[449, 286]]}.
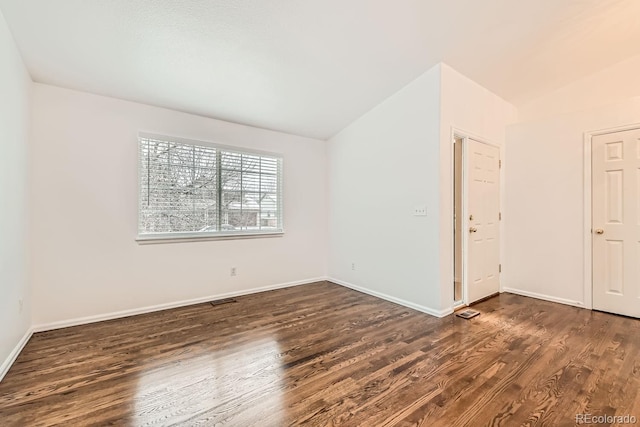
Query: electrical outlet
{"points": [[353, 266], [233, 271]]}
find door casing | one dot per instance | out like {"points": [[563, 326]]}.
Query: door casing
{"points": [[465, 137]]}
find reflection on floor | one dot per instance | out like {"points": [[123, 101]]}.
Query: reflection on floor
{"points": [[326, 355]]}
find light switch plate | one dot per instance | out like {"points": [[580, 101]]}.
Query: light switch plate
{"points": [[420, 211]]}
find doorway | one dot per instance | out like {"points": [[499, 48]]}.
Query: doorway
{"points": [[615, 225], [476, 220]]}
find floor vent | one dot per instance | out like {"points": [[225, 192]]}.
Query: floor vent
{"points": [[467, 314], [223, 301]]}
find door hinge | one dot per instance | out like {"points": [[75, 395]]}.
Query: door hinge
{"points": [[499, 216], [500, 164], [499, 268]]}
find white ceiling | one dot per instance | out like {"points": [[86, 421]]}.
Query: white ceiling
{"points": [[311, 67]]}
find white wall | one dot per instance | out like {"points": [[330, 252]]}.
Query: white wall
{"points": [[84, 199], [545, 204], [609, 86], [545, 218], [381, 167], [468, 107], [15, 87]]}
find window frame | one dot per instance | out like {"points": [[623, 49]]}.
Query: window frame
{"points": [[177, 237]]}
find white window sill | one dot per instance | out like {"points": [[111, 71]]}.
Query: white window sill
{"points": [[150, 239]]}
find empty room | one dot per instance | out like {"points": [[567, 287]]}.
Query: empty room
{"points": [[323, 213]]}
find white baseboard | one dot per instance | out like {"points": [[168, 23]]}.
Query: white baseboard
{"points": [[421, 308], [544, 297], [6, 365], [166, 306]]}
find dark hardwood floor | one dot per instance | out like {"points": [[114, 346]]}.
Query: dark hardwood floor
{"points": [[322, 355]]}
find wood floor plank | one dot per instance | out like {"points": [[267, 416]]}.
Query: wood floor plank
{"points": [[321, 355]]}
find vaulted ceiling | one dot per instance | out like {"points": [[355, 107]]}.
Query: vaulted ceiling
{"points": [[311, 67]]}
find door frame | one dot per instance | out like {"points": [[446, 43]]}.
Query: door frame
{"points": [[465, 137], [588, 200]]}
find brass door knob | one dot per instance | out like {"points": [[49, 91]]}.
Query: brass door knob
{"points": [[472, 229], [599, 231]]}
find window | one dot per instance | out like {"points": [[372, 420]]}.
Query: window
{"points": [[193, 189]]}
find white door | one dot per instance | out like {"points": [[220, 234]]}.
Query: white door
{"points": [[483, 209], [616, 222]]}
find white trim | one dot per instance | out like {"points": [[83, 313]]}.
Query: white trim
{"points": [[452, 206], [147, 239], [458, 304], [465, 219], [461, 133], [588, 238], [587, 291], [8, 362], [166, 306], [213, 144], [544, 297], [418, 307], [614, 129]]}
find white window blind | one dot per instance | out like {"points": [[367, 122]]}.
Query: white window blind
{"points": [[192, 189]]}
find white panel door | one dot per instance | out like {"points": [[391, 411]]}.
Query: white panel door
{"points": [[483, 208], [616, 222]]}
